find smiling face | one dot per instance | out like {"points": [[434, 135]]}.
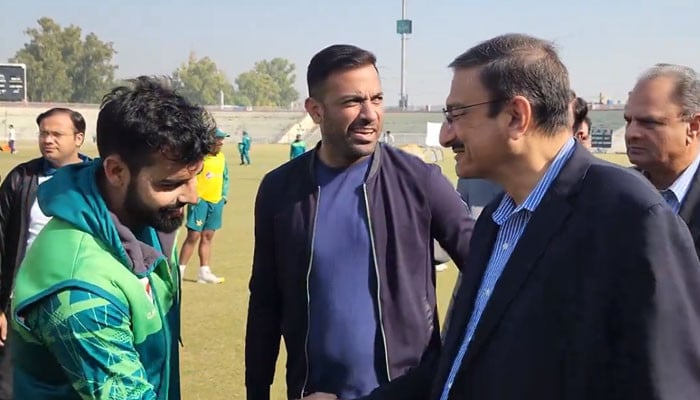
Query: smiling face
{"points": [[158, 194], [480, 141], [154, 196], [349, 111]]}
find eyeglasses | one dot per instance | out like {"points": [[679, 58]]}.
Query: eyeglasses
{"points": [[55, 135], [449, 111]]}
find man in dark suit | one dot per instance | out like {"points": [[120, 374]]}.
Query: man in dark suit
{"points": [[663, 124], [582, 283]]}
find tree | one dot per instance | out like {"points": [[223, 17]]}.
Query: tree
{"points": [[281, 71], [259, 88], [269, 83], [61, 66], [93, 75], [201, 81]]}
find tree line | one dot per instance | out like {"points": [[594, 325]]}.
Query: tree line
{"points": [[65, 66]]}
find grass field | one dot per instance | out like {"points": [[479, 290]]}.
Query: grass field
{"points": [[214, 316]]}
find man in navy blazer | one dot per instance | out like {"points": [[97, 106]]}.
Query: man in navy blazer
{"points": [[582, 282]]}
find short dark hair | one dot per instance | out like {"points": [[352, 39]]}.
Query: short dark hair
{"points": [[146, 118], [522, 65], [335, 58], [580, 108], [75, 117]]}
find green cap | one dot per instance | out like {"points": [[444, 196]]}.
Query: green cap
{"points": [[221, 134]]}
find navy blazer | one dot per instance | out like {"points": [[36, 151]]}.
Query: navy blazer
{"points": [[690, 210], [599, 300]]}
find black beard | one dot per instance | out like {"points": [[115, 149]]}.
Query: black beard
{"points": [[143, 215]]}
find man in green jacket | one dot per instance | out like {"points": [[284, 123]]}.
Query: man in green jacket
{"points": [[97, 298], [297, 148], [244, 148]]}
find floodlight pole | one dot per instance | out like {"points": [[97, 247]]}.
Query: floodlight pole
{"points": [[403, 101]]}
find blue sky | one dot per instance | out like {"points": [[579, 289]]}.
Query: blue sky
{"points": [[605, 44]]}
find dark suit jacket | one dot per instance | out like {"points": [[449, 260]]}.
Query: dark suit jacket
{"points": [[690, 210], [599, 300], [690, 207]]}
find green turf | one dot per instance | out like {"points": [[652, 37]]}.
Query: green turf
{"points": [[214, 316]]}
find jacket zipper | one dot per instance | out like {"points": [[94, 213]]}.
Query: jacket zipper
{"points": [[308, 294], [376, 270], [178, 285], [165, 382]]}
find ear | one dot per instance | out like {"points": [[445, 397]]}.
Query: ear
{"points": [[116, 171], [693, 128], [519, 113], [79, 138], [314, 108]]}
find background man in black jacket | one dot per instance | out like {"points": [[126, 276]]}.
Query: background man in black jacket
{"points": [[61, 133], [343, 254]]}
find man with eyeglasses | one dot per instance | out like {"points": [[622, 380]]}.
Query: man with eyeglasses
{"points": [[582, 282], [61, 133]]}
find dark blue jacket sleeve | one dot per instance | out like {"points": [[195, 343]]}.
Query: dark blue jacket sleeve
{"points": [[263, 330], [452, 224]]}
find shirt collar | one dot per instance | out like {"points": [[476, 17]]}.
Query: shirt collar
{"points": [[507, 206], [681, 185], [49, 170]]}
